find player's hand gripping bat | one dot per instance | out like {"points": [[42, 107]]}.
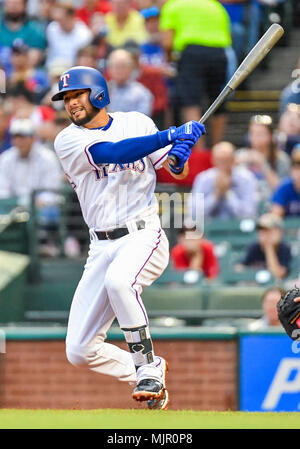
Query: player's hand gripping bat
{"points": [[254, 57]]}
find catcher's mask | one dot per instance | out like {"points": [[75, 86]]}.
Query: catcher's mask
{"points": [[81, 77]]}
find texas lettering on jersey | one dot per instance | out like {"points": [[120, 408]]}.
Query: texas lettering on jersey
{"points": [[105, 170]]}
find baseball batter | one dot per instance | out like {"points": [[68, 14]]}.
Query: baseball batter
{"points": [[110, 160]]}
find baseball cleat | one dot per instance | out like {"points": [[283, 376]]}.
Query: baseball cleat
{"points": [[150, 389], [159, 404]]}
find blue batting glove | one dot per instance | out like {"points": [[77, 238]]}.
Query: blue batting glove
{"points": [[191, 130], [182, 151]]}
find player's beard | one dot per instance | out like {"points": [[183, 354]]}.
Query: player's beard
{"points": [[89, 115]]}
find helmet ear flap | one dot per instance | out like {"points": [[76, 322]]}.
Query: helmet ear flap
{"points": [[99, 98]]}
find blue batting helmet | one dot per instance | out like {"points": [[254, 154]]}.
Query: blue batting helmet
{"points": [[81, 77]]}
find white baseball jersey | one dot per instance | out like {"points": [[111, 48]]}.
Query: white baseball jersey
{"points": [[110, 195]]}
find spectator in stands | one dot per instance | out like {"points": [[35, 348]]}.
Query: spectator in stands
{"points": [[125, 93], [54, 71], [192, 252], [66, 35], [291, 93], [189, 28], [236, 10], [98, 25], [89, 8], [229, 191], [87, 57], [258, 12], [45, 12], [152, 77], [269, 252], [142, 4], [26, 167], [103, 50], [47, 132], [285, 200], [263, 158], [288, 132], [255, 22], [124, 23], [15, 24], [152, 52], [20, 102], [36, 80], [153, 58], [5, 139], [269, 301]]}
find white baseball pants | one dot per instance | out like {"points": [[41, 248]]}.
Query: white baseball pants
{"points": [[115, 273]]}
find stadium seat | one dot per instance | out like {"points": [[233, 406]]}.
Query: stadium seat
{"points": [[235, 298], [181, 302], [181, 277], [237, 233]]}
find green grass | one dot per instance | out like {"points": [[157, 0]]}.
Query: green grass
{"points": [[144, 419]]}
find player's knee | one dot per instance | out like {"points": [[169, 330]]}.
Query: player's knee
{"points": [[77, 356]]}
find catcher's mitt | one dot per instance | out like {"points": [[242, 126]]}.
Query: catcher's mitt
{"points": [[289, 313]]}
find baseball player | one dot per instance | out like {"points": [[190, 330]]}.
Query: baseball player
{"points": [[110, 160]]}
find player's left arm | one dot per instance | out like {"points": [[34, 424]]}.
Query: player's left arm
{"points": [[181, 149]]}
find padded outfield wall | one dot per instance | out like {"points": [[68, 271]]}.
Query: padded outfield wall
{"points": [[210, 369], [36, 374]]}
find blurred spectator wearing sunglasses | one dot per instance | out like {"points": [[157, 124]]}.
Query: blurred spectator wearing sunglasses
{"points": [[263, 157]]}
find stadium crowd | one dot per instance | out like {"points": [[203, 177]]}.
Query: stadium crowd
{"points": [[164, 59]]}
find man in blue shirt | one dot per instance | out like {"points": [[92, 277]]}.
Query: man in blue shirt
{"points": [[286, 198], [15, 24]]}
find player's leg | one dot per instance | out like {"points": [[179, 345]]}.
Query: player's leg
{"points": [[140, 259], [91, 316]]}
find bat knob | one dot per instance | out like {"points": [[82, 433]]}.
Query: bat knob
{"points": [[173, 160]]}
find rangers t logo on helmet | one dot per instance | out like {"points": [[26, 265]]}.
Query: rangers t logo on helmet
{"points": [[64, 78]]}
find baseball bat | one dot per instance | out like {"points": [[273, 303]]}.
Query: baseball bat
{"points": [[251, 61]]}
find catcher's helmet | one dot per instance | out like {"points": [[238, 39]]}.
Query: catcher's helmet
{"points": [[81, 77]]}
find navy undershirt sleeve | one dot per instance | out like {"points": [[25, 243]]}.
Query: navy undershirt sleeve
{"points": [[128, 150]]}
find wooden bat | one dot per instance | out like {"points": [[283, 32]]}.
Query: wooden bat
{"points": [[251, 61]]}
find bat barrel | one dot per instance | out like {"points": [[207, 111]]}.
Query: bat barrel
{"points": [[257, 54]]}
